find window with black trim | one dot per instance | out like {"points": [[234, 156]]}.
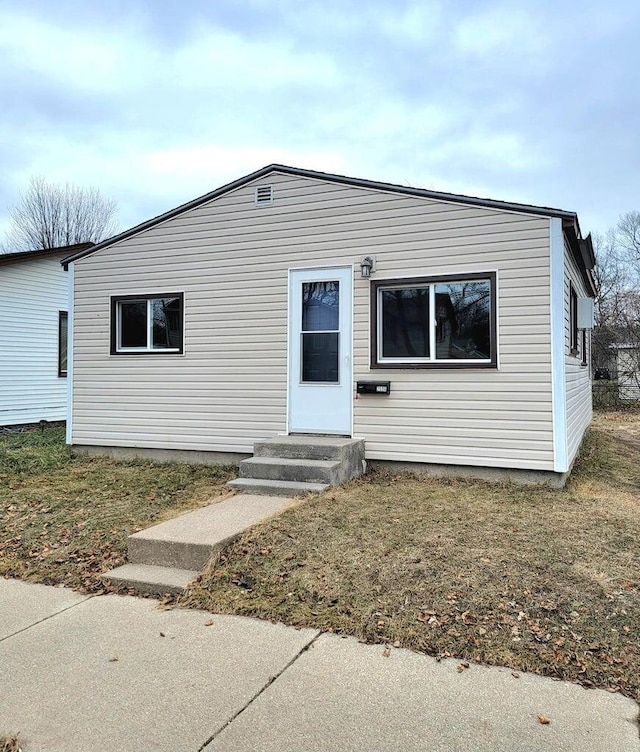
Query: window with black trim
{"points": [[63, 325], [573, 320], [147, 323], [439, 322]]}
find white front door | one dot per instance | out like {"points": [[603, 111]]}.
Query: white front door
{"points": [[320, 376]]}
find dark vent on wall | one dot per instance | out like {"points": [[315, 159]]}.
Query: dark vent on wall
{"points": [[264, 195]]}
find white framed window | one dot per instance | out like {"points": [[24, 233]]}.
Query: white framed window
{"points": [[438, 322], [147, 323]]}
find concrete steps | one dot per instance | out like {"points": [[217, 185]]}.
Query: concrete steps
{"points": [[296, 465], [167, 557]]}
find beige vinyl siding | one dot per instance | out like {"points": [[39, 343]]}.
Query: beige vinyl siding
{"points": [[577, 376], [229, 388]]}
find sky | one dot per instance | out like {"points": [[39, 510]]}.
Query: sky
{"points": [[156, 102]]}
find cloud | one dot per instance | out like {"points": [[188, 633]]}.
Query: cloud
{"points": [[156, 103]]}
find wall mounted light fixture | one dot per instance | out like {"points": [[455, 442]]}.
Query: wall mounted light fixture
{"points": [[366, 267]]}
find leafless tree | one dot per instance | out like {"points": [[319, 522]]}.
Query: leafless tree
{"points": [[628, 237], [616, 336], [50, 216]]}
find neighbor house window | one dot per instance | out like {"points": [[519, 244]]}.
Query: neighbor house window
{"points": [[443, 322], [147, 323], [573, 320], [63, 326]]}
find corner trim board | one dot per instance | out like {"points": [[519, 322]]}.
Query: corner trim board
{"points": [[558, 366], [69, 427]]}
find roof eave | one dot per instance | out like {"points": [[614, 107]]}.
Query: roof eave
{"points": [[583, 254], [329, 177], [6, 258]]}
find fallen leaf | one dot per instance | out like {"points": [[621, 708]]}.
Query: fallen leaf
{"points": [[386, 652], [543, 719], [114, 659], [209, 623], [161, 634], [515, 674], [462, 666]]}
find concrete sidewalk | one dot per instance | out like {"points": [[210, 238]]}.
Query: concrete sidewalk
{"points": [[120, 673]]}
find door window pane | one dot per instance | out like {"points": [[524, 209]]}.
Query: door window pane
{"points": [[133, 323], [320, 357], [405, 322], [320, 306], [463, 329]]}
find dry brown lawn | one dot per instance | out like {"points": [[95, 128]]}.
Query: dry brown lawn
{"points": [[528, 577], [65, 519]]}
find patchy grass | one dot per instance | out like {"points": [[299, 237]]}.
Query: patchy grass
{"points": [[622, 423], [9, 744], [528, 577], [65, 519]]}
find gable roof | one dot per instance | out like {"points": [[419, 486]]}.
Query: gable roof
{"points": [[328, 177], [10, 258], [582, 248]]}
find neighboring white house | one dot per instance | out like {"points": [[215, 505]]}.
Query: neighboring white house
{"points": [[628, 372], [33, 337], [248, 313]]}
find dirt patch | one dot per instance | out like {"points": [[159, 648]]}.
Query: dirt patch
{"points": [[623, 424]]}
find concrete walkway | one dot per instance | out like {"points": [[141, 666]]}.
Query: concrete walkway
{"points": [[120, 673], [167, 557]]}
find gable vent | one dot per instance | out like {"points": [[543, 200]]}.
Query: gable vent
{"points": [[264, 195]]}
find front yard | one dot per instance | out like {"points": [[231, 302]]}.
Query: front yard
{"points": [[527, 577], [66, 519]]}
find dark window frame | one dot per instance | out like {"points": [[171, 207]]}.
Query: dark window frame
{"points": [[376, 285], [63, 316], [116, 299], [573, 320]]}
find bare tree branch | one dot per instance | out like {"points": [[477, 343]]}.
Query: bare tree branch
{"points": [[616, 336], [49, 216]]}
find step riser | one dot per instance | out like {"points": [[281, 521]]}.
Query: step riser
{"points": [[148, 588], [258, 486], [348, 453], [150, 580], [161, 553], [297, 451], [301, 473]]}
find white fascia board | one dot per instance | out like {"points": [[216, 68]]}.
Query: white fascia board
{"points": [[70, 273], [558, 376]]}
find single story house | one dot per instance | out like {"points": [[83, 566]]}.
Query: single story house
{"points": [[446, 331], [34, 295]]}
